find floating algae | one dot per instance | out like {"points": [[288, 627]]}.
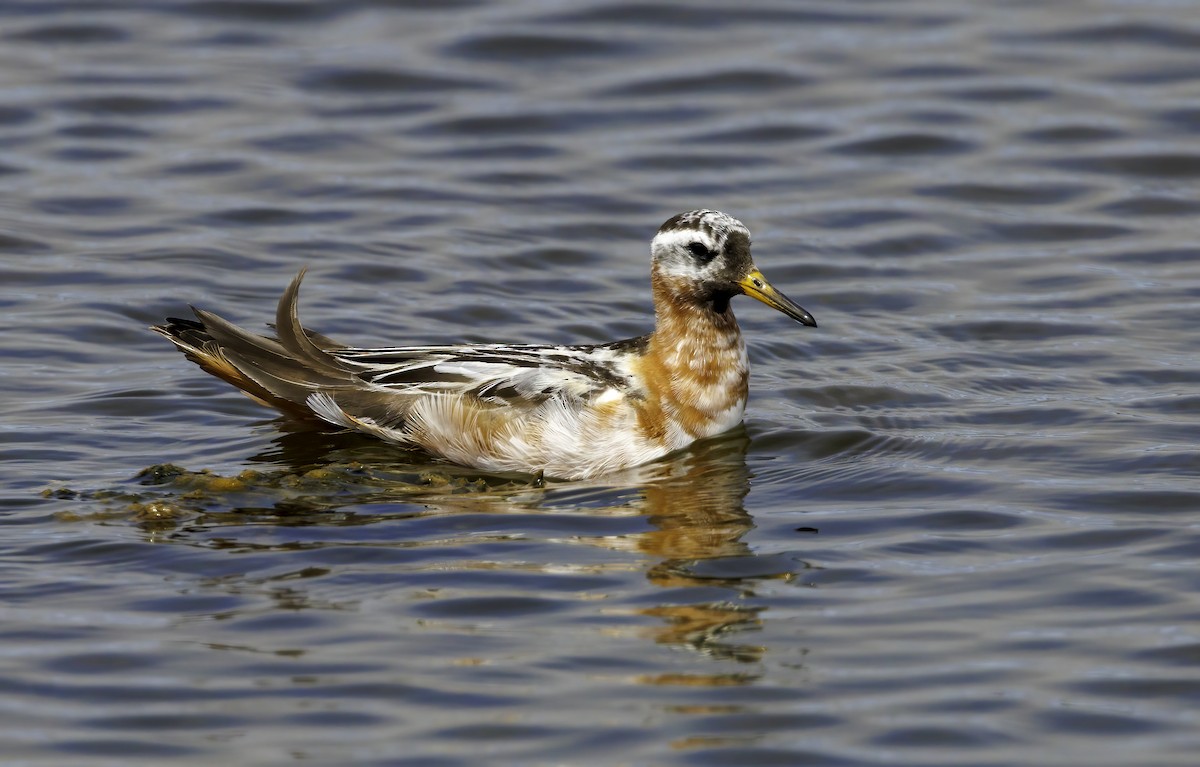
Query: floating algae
{"points": [[165, 495]]}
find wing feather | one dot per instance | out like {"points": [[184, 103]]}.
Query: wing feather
{"points": [[378, 390], [515, 376]]}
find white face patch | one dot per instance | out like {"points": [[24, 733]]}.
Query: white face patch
{"points": [[671, 254], [710, 230]]}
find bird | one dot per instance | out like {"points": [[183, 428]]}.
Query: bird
{"points": [[567, 412]]}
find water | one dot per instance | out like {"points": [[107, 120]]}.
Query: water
{"points": [[959, 527]]}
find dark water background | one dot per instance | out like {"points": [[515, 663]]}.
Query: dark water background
{"points": [[960, 526]]}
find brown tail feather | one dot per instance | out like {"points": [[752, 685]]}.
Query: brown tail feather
{"points": [[295, 338], [280, 373]]}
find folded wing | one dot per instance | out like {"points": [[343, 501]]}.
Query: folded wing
{"points": [[304, 374]]}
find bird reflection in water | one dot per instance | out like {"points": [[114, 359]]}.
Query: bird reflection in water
{"points": [[693, 503]]}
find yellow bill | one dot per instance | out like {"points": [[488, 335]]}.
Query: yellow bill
{"points": [[756, 286]]}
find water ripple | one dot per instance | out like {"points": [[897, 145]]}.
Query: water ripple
{"points": [[957, 525]]}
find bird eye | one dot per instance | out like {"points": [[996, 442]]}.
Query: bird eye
{"points": [[702, 253]]}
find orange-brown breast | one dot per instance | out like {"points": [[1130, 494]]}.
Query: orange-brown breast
{"points": [[693, 370]]}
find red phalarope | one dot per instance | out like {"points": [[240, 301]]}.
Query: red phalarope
{"points": [[570, 412]]}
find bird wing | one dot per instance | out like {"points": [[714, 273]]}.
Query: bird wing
{"points": [[520, 376], [375, 390]]}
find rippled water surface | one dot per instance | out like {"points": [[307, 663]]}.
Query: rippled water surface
{"points": [[960, 525]]}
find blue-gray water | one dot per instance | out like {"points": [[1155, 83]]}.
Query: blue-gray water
{"points": [[960, 526]]}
